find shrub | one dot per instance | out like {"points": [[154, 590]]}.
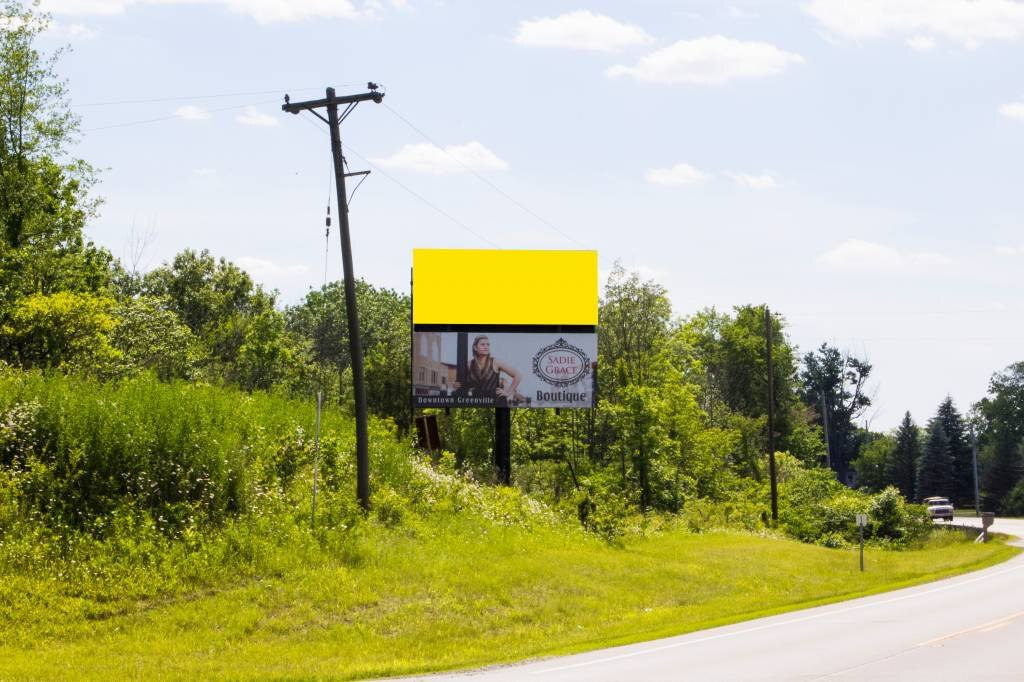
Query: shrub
{"points": [[150, 336], [815, 508], [65, 330], [1013, 503]]}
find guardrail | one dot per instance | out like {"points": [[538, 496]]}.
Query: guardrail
{"points": [[979, 533], [976, 533]]}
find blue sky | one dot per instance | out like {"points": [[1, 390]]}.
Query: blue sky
{"points": [[856, 165]]}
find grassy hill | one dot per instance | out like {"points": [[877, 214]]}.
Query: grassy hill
{"points": [[163, 531]]}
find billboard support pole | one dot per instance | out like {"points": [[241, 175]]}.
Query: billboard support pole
{"points": [[355, 347], [503, 445]]}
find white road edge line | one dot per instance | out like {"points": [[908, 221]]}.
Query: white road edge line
{"points": [[771, 626]]}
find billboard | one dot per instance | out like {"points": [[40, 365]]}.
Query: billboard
{"points": [[479, 368], [504, 287], [504, 328]]}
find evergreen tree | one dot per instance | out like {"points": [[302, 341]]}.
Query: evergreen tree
{"points": [[901, 465], [935, 468], [953, 424]]}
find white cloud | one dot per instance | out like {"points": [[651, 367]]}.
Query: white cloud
{"points": [[921, 43], [79, 7], [739, 13], [763, 181], [678, 175], [966, 22], [255, 117], [269, 11], [192, 113], [71, 31], [1013, 110], [714, 59], [205, 172], [580, 30], [1009, 251], [259, 267], [263, 11], [857, 254], [427, 158]]}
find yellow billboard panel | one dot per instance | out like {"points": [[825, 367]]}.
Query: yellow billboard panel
{"points": [[484, 287]]}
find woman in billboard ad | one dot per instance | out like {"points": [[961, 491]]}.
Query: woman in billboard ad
{"points": [[483, 378]]}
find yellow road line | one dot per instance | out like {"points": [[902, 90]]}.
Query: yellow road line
{"points": [[984, 627]]}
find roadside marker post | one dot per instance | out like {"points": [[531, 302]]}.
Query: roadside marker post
{"points": [[316, 456], [862, 520]]}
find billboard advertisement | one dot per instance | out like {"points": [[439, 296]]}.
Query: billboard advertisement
{"points": [[504, 369]]}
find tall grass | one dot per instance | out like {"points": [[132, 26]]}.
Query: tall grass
{"points": [[83, 448], [168, 526]]}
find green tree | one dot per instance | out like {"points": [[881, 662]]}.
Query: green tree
{"points": [[870, 464], [218, 301], [935, 468], [206, 292], [44, 194], [837, 380], [725, 355], [150, 336], [953, 424], [384, 319], [633, 318], [901, 465], [1002, 434], [265, 356]]}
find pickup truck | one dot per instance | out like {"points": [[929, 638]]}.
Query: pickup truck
{"points": [[939, 508]]}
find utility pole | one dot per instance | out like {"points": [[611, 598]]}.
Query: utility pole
{"points": [[974, 456], [771, 413], [828, 440], [333, 122]]}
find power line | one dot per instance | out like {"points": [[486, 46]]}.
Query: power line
{"points": [[173, 116], [483, 179], [193, 97], [423, 199], [900, 313]]}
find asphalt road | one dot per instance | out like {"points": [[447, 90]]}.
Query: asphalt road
{"points": [[964, 629]]}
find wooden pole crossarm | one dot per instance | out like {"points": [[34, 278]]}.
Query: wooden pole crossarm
{"points": [[297, 107]]}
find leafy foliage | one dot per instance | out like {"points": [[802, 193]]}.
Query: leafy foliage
{"points": [[44, 196], [1002, 417], [63, 330], [150, 336], [870, 464], [384, 315]]}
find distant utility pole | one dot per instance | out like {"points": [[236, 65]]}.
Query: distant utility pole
{"points": [[771, 413], [828, 439], [974, 457], [333, 122]]}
